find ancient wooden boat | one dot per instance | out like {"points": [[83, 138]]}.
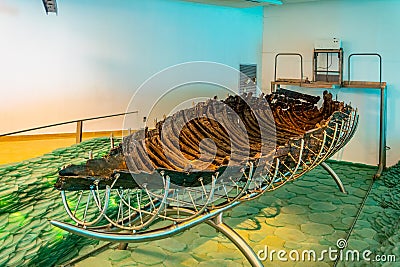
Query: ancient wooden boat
{"points": [[169, 175], [297, 123]]}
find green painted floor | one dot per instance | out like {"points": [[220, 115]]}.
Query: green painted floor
{"points": [[309, 213]]}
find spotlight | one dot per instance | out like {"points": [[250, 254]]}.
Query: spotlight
{"points": [[50, 6]]}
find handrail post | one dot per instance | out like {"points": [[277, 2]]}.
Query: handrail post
{"points": [[79, 126], [111, 141]]}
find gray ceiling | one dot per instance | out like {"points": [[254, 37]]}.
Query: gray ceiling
{"points": [[247, 3]]}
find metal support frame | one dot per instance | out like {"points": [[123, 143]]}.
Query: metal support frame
{"points": [[382, 112], [213, 219], [150, 235], [334, 176], [236, 239]]}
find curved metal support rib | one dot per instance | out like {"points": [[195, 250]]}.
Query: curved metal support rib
{"points": [[97, 201], [150, 235], [247, 251], [334, 176]]}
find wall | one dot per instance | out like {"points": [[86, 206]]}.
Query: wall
{"points": [[91, 58], [363, 26]]}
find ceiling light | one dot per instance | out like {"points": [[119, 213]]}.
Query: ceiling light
{"points": [[50, 6], [273, 2]]}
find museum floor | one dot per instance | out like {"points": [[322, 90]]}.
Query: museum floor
{"points": [[309, 213], [17, 148]]}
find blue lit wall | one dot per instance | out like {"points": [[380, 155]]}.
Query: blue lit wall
{"points": [[88, 60], [363, 26]]}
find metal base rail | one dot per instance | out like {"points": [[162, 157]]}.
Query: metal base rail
{"points": [[213, 218]]}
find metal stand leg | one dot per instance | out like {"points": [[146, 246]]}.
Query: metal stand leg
{"points": [[247, 251], [334, 176], [122, 246], [382, 134]]}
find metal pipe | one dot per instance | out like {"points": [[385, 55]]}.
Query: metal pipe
{"points": [[382, 131], [240, 243], [382, 113], [290, 54], [364, 54], [150, 235], [334, 176]]}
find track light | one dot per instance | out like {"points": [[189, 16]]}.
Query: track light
{"points": [[50, 6]]}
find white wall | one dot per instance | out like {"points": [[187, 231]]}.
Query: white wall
{"points": [[363, 26], [90, 59]]}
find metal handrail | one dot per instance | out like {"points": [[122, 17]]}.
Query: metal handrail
{"points": [[79, 124], [364, 54], [290, 54]]}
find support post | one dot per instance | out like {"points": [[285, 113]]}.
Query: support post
{"points": [[334, 176], [247, 251], [112, 141], [382, 113], [382, 134], [122, 246], [79, 125]]}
